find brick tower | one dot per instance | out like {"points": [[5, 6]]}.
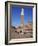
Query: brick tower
{"points": [[22, 19], [22, 16]]}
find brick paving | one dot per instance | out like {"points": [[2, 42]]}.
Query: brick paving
{"points": [[15, 35]]}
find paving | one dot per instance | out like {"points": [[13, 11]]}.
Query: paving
{"points": [[16, 35]]}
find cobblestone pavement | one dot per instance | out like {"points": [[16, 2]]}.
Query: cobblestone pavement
{"points": [[15, 35]]}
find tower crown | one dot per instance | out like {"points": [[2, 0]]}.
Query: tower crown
{"points": [[22, 12]]}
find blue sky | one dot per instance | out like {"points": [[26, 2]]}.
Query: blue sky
{"points": [[16, 13]]}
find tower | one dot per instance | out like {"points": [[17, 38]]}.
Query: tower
{"points": [[22, 16], [22, 19]]}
